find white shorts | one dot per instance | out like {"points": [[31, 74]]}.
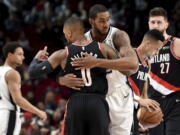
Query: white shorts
{"points": [[121, 107], [10, 122]]}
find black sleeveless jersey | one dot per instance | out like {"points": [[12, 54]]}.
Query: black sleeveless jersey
{"points": [[165, 70], [138, 79], [95, 78]]}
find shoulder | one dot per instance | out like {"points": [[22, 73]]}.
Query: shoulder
{"points": [[121, 38], [120, 33], [59, 53], [176, 40], [176, 46], [12, 75]]}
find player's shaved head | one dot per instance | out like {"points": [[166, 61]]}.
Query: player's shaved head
{"points": [[154, 35], [75, 24]]}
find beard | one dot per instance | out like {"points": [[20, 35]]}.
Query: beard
{"points": [[99, 32]]}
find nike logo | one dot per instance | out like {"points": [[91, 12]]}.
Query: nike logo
{"points": [[126, 95]]}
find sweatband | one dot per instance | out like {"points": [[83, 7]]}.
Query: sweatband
{"points": [[37, 68]]}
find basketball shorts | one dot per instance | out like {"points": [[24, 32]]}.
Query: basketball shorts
{"points": [[170, 106], [10, 122], [121, 106], [86, 114]]}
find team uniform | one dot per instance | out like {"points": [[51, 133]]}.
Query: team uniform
{"points": [[87, 110], [165, 88], [119, 96], [10, 123], [137, 82]]}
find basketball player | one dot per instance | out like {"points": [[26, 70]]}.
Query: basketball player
{"points": [[138, 81], [10, 94], [164, 76], [119, 95], [87, 110]]}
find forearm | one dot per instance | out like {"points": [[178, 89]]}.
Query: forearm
{"points": [[144, 91], [122, 64], [38, 68], [24, 104]]}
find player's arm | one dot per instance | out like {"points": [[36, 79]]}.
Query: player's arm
{"points": [[145, 90], [13, 80], [108, 52], [128, 60], [90, 61], [176, 48], [38, 68], [143, 100], [70, 80]]}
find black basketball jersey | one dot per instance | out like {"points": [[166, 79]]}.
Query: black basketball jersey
{"points": [[165, 70], [95, 78], [138, 79]]}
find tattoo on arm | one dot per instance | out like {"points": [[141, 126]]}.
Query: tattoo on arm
{"points": [[122, 44]]}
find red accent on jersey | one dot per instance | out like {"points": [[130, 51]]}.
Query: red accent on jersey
{"points": [[164, 83], [134, 86], [63, 123]]}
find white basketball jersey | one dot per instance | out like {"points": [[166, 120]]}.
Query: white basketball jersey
{"points": [[115, 79], [6, 101], [109, 38]]}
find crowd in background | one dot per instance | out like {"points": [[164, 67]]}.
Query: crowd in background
{"points": [[38, 23]]}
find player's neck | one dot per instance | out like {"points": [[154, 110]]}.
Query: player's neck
{"points": [[8, 63], [80, 40], [166, 36], [97, 36]]}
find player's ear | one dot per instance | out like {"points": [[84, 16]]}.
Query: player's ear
{"points": [[167, 24], [91, 21], [69, 33], [148, 43]]}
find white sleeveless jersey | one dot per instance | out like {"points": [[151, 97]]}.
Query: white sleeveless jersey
{"points": [[116, 80], [6, 101], [109, 38]]}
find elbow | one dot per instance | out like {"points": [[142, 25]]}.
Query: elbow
{"points": [[33, 74]]}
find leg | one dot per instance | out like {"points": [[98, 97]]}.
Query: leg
{"points": [[121, 111], [98, 117], [72, 124]]}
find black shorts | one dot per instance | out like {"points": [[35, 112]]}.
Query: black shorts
{"points": [[87, 114], [170, 106]]}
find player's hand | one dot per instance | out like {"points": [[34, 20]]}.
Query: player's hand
{"points": [[142, 129], [148, 103], [86, 61], [42, 55], [71, 81], [42, 115]]}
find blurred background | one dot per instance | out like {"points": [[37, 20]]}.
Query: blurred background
{"points": [[38, 23]]}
